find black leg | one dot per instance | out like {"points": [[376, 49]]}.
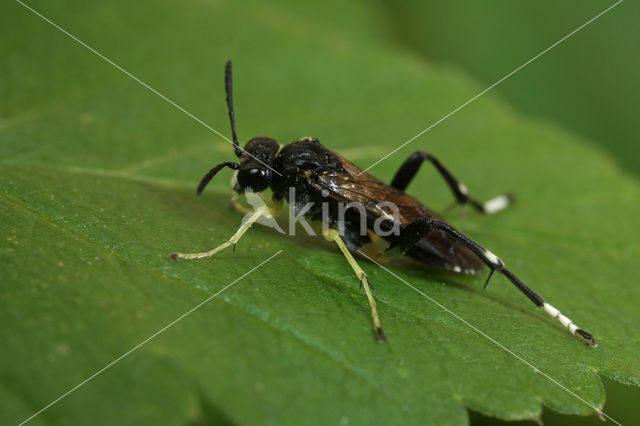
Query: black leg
{"points": [[410, 167], [417, 230]]}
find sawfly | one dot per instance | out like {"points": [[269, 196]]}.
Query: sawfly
{"points": [[317, 183]]}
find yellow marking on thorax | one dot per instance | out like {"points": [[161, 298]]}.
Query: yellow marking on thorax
{"points": [[306, 174]]}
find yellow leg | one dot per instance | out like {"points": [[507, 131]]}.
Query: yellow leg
{"points": [[333, 235], [261, 211]]}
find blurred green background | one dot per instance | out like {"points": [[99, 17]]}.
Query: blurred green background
{"points": [[588, 85]]}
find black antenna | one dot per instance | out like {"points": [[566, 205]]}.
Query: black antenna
{"points": [[211, 173], [227, 84]]}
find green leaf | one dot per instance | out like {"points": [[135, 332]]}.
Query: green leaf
{"points": [[98, 181]]}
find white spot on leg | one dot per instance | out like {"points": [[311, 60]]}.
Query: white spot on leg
{"points": [[496, 204], [492, 258], [563, 319], [551, 310], [462, 188]]}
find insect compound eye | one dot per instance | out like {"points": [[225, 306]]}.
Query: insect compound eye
{"points": [[256, 178]]}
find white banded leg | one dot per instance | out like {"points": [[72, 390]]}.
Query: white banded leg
{"points": [[410, 167], [498, 264], [556, 314], [333, 235], [248, 221], [569, 324], [415, 231]]}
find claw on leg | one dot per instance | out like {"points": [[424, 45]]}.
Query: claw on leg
{"points": [[333, 235], [246, 224]]}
